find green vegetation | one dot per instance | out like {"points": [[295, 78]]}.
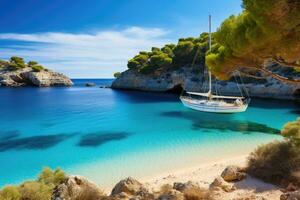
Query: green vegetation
{"points": [[40, 189], [187, 52], [37, 68], [265, 30], [291, 131], [16, 63], [117, 74], [278, 162]]}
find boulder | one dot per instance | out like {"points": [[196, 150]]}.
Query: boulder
{"points": [[171, 195], [220, 183], [183, 187], [129, 186], [291, 195], [233, 173], [76, 187]]}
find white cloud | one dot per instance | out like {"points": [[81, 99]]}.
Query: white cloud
{"points": [[83, 55]]}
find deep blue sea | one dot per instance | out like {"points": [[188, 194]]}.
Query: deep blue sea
{"points": [[107, 134]]}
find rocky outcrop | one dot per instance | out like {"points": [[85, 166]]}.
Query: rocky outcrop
{"points": [[291, 196], [28, 77], [220, 184], [187, 79], [233, 173], [75, 187]]}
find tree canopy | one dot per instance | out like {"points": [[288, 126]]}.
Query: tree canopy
{"points": [[266, 31], [187, 52]]}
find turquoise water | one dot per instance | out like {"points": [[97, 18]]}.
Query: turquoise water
{"points": [[107, 134]]}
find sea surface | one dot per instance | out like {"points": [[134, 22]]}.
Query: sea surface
{"points": [[107, 134]]}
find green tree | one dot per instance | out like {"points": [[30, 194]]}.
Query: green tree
{"points": [[183, 53], [138, 61], [267, 30]]}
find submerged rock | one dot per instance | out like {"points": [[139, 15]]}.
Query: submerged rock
{"points": [[26, 76], [233, 173], [75, 187], [90, 84]]}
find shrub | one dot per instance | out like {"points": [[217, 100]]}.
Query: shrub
{"points": [[10, 193], [37, 68], [49, 177], [291, 131], [17, 63], [275, 162], [41, 189], [117, 74], [32, 63], [35, 191]]}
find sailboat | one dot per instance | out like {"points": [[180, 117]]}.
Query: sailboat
{"points": [[209, 102]]}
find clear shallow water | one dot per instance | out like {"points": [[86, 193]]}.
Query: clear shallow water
{"points": [[107, 135]]}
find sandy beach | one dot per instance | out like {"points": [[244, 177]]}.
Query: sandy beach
{"points": [[204, 174]]}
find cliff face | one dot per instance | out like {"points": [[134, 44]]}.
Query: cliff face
{"points": [[26, 76], [187, 79]]}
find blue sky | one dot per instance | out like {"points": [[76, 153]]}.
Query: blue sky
{"points": [[95, 38]]}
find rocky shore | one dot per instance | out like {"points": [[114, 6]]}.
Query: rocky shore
{"points": [[186, 78], [232, 183], [28, 77]]}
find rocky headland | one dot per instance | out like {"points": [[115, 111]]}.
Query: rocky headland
{"points": [[16, 73], [187, 78]]}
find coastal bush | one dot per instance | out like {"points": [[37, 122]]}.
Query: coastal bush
{"points": [[32, 63], [16, 63], [291, 131], [278, 162], [40, 189], [37, 68], [117, 74], [10, 193], [34, 190]]}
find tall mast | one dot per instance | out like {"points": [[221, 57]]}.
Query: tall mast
{"points": [[209, 74]]}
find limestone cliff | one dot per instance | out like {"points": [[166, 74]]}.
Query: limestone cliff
{"points": [[187, 79]]}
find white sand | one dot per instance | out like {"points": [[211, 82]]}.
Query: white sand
{"points": [[204, 174]]}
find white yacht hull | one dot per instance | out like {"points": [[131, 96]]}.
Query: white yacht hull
{"points": [[213, 106]]}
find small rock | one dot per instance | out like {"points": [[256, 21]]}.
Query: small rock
{"points": [[75, 187], [291, 195], [219, 183], [90, 84], [233, 173], [182, 187], [129, 186]]}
